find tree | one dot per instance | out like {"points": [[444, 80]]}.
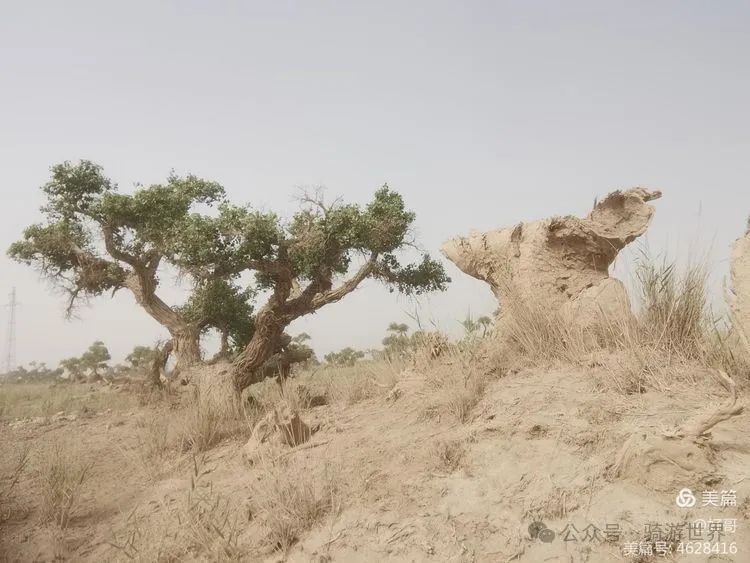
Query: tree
{"points": [[74, 368], [300, 349], [95, 359], [345, 357], [304, 263], [472, 326], [96, 240], [396, 343], [140, 357], [224, 306], [37, 371]]}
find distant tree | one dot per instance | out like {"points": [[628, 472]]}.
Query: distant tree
{"points": [[473, 326], [397, 342], [345, 357], [95, 359], [96, 240], [36, 371], [141, 357], [301, 338], [74, 367], [300, 349]]}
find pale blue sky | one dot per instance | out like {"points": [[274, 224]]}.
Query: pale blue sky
{"points": [[481, 113]]}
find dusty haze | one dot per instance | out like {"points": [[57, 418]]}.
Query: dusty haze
{"points": [[482, 115]]}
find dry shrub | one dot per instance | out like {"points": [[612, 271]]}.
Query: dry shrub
{"points": [[448, 455], [203, 425], [365, 380], [536, 333], [672, 333], [153, 436], [269, 395], [290, 500], [202, 525], [155, 445], [673, 314], [9, 480], [727, 351], [62, 478], [455, 384]]}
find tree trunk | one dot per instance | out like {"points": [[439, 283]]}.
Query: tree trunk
{"points": [[186, 348], [224, 350], [159, 363], [265, 342], [185, 336]]}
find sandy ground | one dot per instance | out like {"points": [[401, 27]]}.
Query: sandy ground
{"points": [[412, 485]]}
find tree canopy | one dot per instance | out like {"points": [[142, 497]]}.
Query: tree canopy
{"points": [[224, 306], [344, 357], [95, 239], [318, 244]]}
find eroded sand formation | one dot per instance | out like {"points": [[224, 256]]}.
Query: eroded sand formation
{"points": [[563, 260], [739, 301]]}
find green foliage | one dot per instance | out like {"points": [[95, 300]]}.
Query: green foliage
{"points": [[345, 357], [476, 327], [301, 338], [35, 371], [93, 237], [141, 357], [397, 342], [73, 366], [317, 244], [96, 357], [96, 239], [298, 348], [220, 304], [92, 361]]}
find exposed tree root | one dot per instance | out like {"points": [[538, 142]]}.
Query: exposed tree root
{"points": [[678, 457]]}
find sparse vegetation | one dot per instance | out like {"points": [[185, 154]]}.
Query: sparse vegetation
{"points": [[200, 522], [290, 501], [203, 426], [9, 480], [63, 475], [448, 454], [31, 400], [404, 421], [345, 357]]}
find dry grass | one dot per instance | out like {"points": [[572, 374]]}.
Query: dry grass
{"points": [[290, 500], [155, 445], [19, 400], [62, 479], [672, 338], [202, 427], [456, 383], [448, 455], [205, 423], [673, 313], [201, 525], [350, 385], [9, 480], [153, 436]]}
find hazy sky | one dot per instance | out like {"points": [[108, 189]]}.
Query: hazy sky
{"points": [[481, 114]]}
